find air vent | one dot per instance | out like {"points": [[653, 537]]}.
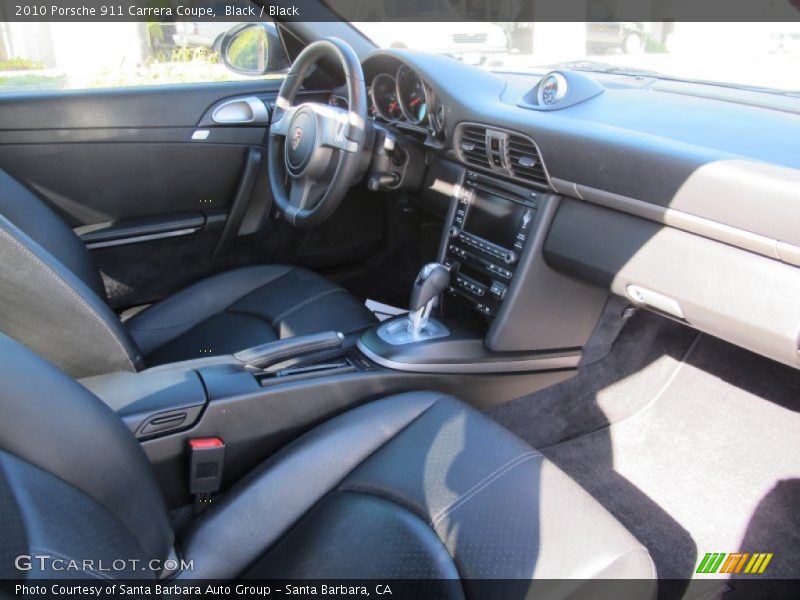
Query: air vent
{"points": [[472, 145], [502, 152], [522, 158]]}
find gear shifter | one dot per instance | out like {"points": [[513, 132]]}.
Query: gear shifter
{"points": [[432, 280], [417, 327]]}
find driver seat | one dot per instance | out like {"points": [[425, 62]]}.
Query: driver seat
{"points": [[52, 299]]}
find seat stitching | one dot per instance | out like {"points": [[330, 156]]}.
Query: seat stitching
{"points": [[339, 486], [483, 484], [245, 313], [261, 286], [90, 571], [53, 275], [194, 322], [305, 303]]}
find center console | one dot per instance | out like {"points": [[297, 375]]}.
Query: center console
{"points": [[488, 322], [488, 256], [487, 233], [501, 308], [256, 401]]}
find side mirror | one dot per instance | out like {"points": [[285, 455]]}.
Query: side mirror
{"points": [[253, 49]]}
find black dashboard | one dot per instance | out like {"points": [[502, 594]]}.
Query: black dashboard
{"points": [[627, 178], [601, 129], [605, 139]]}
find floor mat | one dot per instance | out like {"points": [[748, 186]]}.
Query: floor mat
{"points": [[641, 361], [702, 453]]}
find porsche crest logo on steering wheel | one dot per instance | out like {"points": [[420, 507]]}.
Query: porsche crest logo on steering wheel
{"points": [[297, 135]]}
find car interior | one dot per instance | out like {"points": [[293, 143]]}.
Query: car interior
{"points": [[392, 315]]}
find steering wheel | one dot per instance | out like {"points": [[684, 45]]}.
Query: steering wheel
{"points": [[317, 145]]}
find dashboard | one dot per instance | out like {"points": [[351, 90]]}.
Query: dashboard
{"points": [[657, 147], [675, 195]]}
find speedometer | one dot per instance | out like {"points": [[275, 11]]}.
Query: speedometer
{"points": [[411, 94], [384, 95]]}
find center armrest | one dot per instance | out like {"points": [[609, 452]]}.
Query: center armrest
{"points": [[278, 352]]}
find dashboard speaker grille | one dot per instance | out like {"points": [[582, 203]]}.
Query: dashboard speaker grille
{"points": [[472, 145], [523, 159]]}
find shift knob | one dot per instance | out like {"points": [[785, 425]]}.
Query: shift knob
{"points": [[432, 280]]}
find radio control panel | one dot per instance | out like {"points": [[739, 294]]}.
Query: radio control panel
{"points": [[486, 238]]}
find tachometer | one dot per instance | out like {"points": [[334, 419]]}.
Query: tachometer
{"points": [[411, 94], [384, 95]]}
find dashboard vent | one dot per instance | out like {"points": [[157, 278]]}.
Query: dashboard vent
{"points": [[472, 145], [523, 159]]}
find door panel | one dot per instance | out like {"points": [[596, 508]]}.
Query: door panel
{"points": [[121, 165], [91, 183], [130, 231], [152, 106], [142, 273]]}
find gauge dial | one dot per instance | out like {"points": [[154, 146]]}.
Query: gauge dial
{"points": [[372, 110], [552, 89], [384, 96], [411, 94]]}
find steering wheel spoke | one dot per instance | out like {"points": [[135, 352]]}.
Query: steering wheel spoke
{"points": [[281, 126], [335, 124], [304, 193]]}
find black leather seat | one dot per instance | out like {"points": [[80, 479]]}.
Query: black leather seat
{"points": [[52, 299], [243, 308], [412, 486]]}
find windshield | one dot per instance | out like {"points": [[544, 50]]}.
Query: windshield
{"points": [[748, 55]]}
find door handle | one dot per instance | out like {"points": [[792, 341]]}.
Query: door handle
{"points": [[241, 111]]}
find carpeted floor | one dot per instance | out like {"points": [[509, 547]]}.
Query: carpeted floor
{"points": [[692, 443]]}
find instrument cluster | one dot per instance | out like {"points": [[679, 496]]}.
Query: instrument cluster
{"points": [[403, 97]]}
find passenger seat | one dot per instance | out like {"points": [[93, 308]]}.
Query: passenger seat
{"points": [[417, 485]]}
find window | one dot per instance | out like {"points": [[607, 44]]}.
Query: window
{"points": [[38, 56], [760, 55]]}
